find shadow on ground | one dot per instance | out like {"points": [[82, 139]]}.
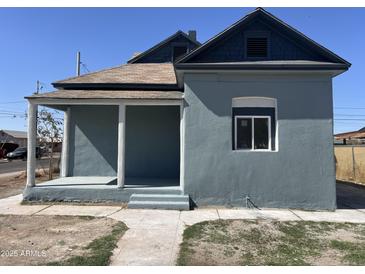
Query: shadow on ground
{"points": [[350, 195]]}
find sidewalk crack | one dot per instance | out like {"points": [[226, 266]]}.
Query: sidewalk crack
{"points": [[296, 214], [41, 210]]}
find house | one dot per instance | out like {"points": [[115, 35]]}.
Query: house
{"points": [[243, 117], [10, 140], [13, 136], [351, 138]]}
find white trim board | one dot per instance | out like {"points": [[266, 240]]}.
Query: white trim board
{"points": [[117, 102]]}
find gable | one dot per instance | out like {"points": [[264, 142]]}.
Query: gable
{"points": [[163, 52], [234, 47], [283, 43]]}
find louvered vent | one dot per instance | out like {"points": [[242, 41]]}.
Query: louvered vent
{"points": [[256, 47]]}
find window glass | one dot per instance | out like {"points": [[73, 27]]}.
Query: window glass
{"points": [[261, 133], [244, 133]]}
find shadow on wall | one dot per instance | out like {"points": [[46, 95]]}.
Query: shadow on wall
{"points": [[152, 142], [94, 140], [297, 97]]}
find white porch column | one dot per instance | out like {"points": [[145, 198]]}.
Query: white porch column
{"points": [[32, 140], [65, 142], [121, 146]]}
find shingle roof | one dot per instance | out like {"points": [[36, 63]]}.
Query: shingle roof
{"points": [[109, 94], [351, 134], [151, 73], [16, 133]]}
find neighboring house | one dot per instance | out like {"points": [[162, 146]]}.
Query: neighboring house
{"points": [[351, 138], [14, 137], [10, 140], [244, 117]]}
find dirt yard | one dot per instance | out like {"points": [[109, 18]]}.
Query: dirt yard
{"points": [[264, 242], [57, 240], [14, 185]]}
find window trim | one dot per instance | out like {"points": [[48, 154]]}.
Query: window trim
{"points": [[252, 117]]}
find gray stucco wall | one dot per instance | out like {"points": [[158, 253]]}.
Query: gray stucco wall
{"points": [[299, 175], [93, 141], [152, 146]]}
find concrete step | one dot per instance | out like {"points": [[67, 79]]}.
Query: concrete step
{"points": [[159, 201]]}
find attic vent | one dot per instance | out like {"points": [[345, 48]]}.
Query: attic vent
{"points": [[256, 47]]}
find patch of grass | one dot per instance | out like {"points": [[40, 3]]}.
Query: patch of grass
{"points": [[354, 252], [242, 242], [62, 242], [99, 251]]}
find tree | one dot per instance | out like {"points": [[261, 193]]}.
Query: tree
{"points": [[49, 131]]}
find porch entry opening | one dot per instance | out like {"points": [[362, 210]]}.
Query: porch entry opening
{"points": [[152, 146]]}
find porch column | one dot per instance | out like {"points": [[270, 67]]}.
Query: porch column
{"points": [[31, 143], [121, 146], [65, 143]]}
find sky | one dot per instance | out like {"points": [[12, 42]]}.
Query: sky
{"points": [[41, 44]]}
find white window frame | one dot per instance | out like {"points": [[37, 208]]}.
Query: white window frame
{"points": [[252, 117]]}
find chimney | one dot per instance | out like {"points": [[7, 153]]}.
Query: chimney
{"points": [[192, 35]]}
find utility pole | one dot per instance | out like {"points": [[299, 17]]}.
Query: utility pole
{"points": [[78, 63], [38, 84]]}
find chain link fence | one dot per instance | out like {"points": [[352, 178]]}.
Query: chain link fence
{"points": [[350, 163]]}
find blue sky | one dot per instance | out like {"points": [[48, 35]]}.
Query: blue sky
{"points": [[41, 44]]}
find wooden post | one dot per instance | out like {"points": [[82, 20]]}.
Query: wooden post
{"points": [[65, 143], [353, 163], [31, 143], [121, 146]]}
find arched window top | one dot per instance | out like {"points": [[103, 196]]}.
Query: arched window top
{"points": [[253, 102]]}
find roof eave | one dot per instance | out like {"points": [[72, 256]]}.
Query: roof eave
{"points": [[230, 66], [133, 86]]}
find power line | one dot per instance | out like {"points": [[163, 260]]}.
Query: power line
{"points": [[345, 119], [350, 115], [13, 102], [350, 107], [84, 66]]}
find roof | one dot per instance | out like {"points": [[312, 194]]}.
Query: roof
{"points": [[332, 57], [161, 44], [128, 74], [16, 133], [351, 134], [109, 94]]}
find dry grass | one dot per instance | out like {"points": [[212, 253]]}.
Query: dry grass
{"points": [[58, 240], [14, 185], [264, 242]]}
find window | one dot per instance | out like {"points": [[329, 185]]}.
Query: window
{"points": [[253, 132], [256, 47], [178, 51], [254, 124]]}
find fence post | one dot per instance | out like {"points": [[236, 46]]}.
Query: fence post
{"points": [[353, 163]]}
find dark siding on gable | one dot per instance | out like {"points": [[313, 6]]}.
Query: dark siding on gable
{"points": [[232, 48], [164, 53]]}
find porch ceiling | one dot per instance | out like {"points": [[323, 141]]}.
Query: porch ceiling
{"points": [[110, 94]]}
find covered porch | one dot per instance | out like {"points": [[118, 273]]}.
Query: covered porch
{"points": [[112, 147]]}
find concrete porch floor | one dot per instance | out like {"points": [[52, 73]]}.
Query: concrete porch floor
{"points": [[92, 181], [98, 189]]}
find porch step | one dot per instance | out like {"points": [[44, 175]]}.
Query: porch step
{"points": [[159, 201]]}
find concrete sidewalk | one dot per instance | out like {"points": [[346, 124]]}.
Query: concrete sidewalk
{"points": [[154, 236]]}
